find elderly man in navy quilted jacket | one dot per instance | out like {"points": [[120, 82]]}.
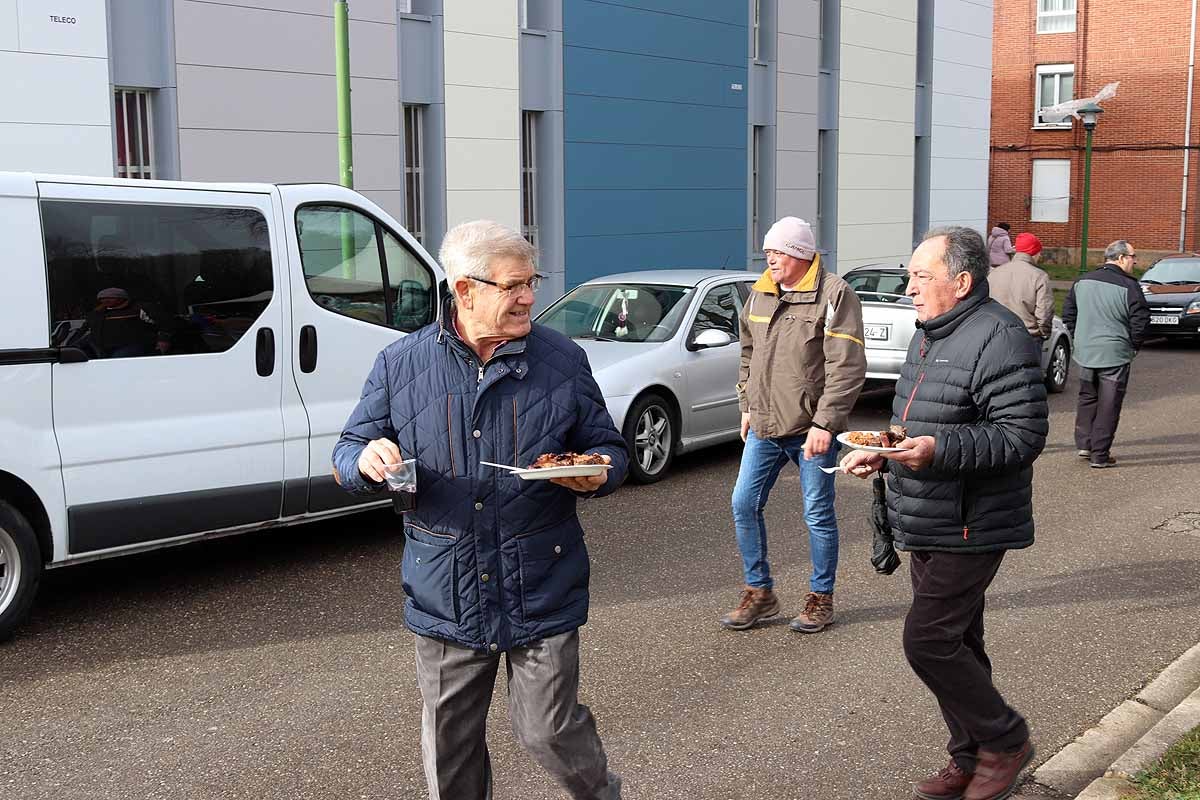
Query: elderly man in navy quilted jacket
{"points": [[493, 565]]}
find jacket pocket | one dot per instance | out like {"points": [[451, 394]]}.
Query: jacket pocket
{"points": [[429, 572], [554, 568]]}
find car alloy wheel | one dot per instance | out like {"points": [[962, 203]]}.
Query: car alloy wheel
{"points": [[650, 435], [1060, 367]]}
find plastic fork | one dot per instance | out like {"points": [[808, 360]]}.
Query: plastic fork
{"points": [[831, 470], [502, 466]]}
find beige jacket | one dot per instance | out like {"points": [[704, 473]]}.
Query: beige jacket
{"points": [[1024, 288], [803, 357]]}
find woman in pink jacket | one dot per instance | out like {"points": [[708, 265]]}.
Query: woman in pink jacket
{"points": [[1000, 247]]}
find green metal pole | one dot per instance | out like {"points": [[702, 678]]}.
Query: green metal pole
{"points": [[341, 51], [341, 45], [1087, 196]]}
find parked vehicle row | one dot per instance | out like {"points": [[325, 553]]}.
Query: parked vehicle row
{"points": [[889, 322]]}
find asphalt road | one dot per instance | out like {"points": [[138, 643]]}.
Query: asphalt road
{"points": [[276, 665]]}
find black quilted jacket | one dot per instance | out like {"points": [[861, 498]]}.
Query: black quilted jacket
{"points": [[973, 381]]}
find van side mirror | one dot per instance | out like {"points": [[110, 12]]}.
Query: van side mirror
{"points": [[709, 337]]}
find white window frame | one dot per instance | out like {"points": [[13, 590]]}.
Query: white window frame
{"points": [[414, 171], [756, 133], [1058, 70], [1056, 208], [529, 177], [125, 101], [1047, 19]]}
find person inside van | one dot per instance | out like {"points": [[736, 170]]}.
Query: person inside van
{"points": [[119, 327]]}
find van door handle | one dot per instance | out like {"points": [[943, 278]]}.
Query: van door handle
{"points": [[308, 348], [264, 354]]}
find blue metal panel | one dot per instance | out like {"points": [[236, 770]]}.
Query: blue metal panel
{"points": [[626, 166], [655, 134], [604, 255], [629, 29]]}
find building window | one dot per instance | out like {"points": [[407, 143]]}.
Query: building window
{"points": [[1054, 84], [755, 187], [1050, 200], [129, 279], [414, 166], [133, 118], [1056, 16], [529, 215], [756, 31]]}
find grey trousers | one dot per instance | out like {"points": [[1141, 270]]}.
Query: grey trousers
{"points": [[543, 705]]}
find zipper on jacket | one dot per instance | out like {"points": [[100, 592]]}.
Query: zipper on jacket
{"points": [[917, 385], [479, 380]]}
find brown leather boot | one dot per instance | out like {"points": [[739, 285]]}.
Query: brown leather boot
{"points": [[996, 774], [948, 783], [756, 604], [817, 614]]}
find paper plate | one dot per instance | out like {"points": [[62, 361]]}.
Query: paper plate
{"points": [[576, 471], [842, 437]]}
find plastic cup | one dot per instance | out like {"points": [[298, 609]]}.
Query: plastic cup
{"points": [[401, 477]]}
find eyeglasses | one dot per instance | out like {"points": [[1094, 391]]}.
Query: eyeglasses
{"points": [[532, 284]]}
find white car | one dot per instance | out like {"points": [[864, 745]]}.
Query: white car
{"points": [[889, 322], [663, 346], [178, 359]]}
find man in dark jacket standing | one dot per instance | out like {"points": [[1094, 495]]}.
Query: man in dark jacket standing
{"points": [[960, 495], [493, 565], [1107, 314]]}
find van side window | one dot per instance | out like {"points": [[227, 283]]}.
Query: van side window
{"points": [[353, 266], [132, 280]]}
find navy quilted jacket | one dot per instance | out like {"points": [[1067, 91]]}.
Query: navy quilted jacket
{"points": [[490, 561]]}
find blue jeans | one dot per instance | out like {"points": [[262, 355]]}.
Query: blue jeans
{"points": [[762, 461]]}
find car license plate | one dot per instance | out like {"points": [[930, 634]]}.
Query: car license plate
{"points": [[1163, 319], [878, 331]]}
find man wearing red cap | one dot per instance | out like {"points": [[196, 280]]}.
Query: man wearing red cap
{"points": [[1024, 288]]}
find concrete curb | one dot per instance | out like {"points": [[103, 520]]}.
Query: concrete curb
{"points": [[1098, 765]]}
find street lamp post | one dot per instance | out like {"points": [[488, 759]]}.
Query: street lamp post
{"points": [[1089, 113]]}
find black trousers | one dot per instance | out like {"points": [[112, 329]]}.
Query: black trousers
{"points": [[1101, 394], [943, 641]]}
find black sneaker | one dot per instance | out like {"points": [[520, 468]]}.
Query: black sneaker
{"points": [[1109, 462], [1084, 453]]}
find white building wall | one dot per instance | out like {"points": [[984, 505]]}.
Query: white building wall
{"points": [[961, 118], [258, 98], [877, 96], [55, 100], [483, 111]]}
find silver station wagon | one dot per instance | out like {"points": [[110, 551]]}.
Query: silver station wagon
{"points": [[889, 322]]}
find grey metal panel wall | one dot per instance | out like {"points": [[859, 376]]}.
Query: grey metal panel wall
{"points": [[422, 82], [240, 70], [797, 100], [827, 122], [542, 91], [923, 120], [142, 56], [762, 105]]}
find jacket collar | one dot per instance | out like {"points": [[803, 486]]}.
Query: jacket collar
{"points": [[1028, 259], [808, 284], [943, 325], [448, 335]]}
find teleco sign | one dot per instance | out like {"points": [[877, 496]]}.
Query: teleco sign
{"points": [[62, 27]]}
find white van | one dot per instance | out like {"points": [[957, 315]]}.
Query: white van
{"points": [[177, 359]]}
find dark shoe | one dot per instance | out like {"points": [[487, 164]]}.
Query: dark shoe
{"points": [[1084, 453], [1109, 462], [996, 774], [948, 784], [756, 604], [817, 613]]}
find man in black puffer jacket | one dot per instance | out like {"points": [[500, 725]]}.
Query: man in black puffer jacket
{"points": [[959, 495]]}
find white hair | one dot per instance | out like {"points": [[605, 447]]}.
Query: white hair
{"points": [[470, 247]]}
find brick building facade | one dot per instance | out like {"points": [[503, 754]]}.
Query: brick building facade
{"points": [[1036, 173]]}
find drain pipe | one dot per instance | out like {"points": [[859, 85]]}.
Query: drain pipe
{"points": [[1187, 133]]}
